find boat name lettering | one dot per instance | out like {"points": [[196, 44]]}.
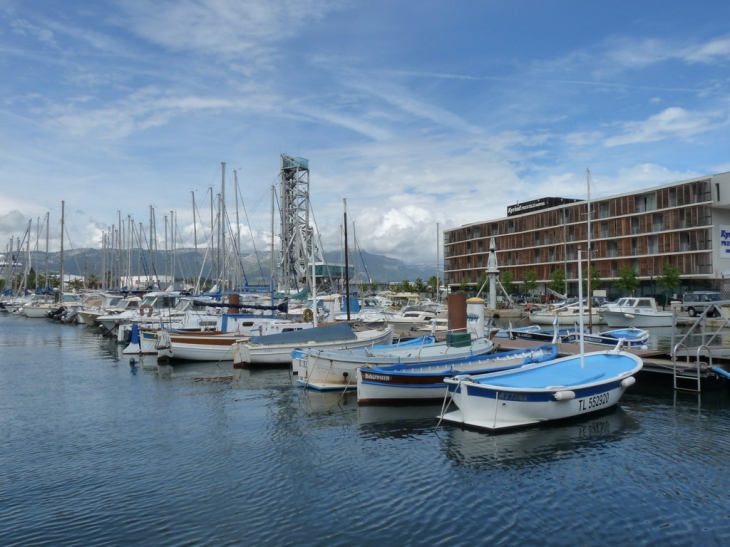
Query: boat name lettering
{"points": [[512, 397], [593, 402], [382, 377]]}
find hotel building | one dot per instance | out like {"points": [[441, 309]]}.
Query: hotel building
{"points": [[685, 224]]}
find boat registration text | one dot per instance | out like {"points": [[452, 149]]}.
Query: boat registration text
{"points": [[593, 402]]}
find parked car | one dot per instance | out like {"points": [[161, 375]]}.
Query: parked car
{"points": [[696, 302]]}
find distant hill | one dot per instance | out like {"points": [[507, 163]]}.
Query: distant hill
{"points": [[368, 267]]}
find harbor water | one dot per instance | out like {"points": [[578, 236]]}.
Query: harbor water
{"points": [[96, 451]]}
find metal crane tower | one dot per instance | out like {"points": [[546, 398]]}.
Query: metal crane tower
{"points": [[296, 233]]}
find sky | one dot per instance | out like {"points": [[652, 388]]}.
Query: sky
{"points": [[421, 115]]}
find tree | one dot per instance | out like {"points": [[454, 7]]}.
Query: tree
{"points": [[419, 285], [595, 280], [93, 282], [406, 286], [670, 277], [433, 286], [464, 285], [530, 281], [628, 279], [557, 280], [507, 280], [75, 285]]}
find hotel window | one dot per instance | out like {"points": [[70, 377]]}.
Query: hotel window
{"points": [[604, 209], [653, 245], [611, 249], [672, 197], [604, 229], [634, 225], [658, 221]]}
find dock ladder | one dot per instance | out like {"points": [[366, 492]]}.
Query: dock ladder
{"points": [[694, 374]]}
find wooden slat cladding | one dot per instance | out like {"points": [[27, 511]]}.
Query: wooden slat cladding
{"points": [[670, 225]]}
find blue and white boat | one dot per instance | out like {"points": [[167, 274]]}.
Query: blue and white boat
{"points": [[562, 388], [424, 382], [630, 337], [327, 369]]}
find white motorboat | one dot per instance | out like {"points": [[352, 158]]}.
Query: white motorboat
{"points": [[568, 313], [640, 312]]}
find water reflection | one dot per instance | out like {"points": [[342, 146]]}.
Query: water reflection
{"points": [[542, 443]]}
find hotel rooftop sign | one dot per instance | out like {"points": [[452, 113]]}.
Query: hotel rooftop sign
{"points": [[537, 205]]}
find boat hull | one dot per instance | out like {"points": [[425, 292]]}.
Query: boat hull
{"points": [[639, 320], [498, 401], [336, 370], [406, 383], [566, 319], [247, 354]]}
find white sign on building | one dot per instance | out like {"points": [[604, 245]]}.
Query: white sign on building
{"points": [[724, 241]]}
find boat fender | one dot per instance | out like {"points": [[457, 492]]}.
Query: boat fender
{"points": [[564, 395], [721, 372], [145, 307], [626, 382]]}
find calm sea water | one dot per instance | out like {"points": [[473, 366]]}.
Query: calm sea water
{"points": [[96, 452]]}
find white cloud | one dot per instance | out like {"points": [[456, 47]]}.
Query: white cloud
{"points": [[671, 122]]}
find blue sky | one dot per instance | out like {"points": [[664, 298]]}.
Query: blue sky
{"points": [[416, 113]]}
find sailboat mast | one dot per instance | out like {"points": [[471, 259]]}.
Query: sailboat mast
{"points": [[588, 255], [63, 227], [237, 276], [271, 258], [222, 226], [347, 265], [47, 229], [436, 288]]}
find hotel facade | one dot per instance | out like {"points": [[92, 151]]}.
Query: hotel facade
{"points": [[685, 224]]}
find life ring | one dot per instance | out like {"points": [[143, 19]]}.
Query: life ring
{"points": [[551, 308], [147, 307], [307, 315]]}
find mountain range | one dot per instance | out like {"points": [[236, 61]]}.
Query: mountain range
{"points": [[368, 268]]}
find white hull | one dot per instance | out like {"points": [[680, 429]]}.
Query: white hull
{"points": [[489, 413], [638, 320], [37, 312], [202, 352], [370, 392], [566, 319], [393, 384], [336, 370], [246, 353]]}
